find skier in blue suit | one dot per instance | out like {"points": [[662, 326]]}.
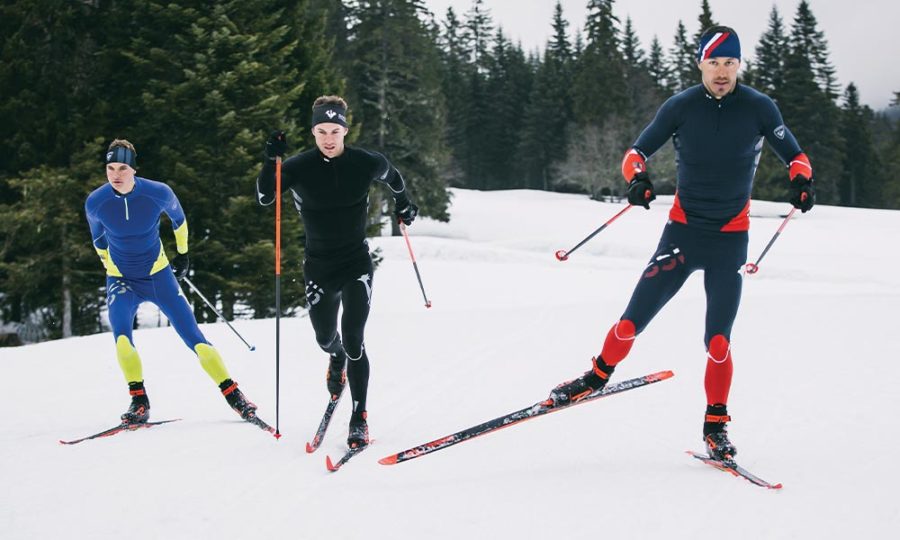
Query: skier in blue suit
{"points": [[124, 217]]}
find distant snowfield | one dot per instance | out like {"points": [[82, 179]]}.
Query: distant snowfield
{"points": [[814, 398]]}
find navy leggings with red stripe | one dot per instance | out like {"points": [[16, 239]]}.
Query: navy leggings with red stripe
{"points": [[681, 251]]}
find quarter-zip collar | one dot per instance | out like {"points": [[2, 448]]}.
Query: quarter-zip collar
{"points": [[126, 196]]}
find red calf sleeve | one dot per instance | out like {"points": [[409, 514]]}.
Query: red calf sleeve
{"points": [[618, 342], [718, 370]]}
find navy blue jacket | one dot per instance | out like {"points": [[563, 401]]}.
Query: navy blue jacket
{"points": [[717, 149]]}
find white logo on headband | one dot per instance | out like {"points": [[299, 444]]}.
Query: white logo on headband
{"points": [[109, 156], [330, 114]]}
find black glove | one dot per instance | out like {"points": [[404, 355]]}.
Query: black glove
{"points": [[406, 212], [276, 145], [640, 190], [803, 193], [180, 265]]}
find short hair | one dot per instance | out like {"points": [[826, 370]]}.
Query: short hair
{"points": [[123, 143], [330, 100], [717, 28]]}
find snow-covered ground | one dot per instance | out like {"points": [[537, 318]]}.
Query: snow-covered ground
{"points": [[814, 398]]}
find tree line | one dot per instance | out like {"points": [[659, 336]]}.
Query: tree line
{"points": [[449, 98]]}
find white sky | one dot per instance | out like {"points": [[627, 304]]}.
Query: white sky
{"points": [[854, 52]]}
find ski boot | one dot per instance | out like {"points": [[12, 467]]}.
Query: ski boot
{"points": [[236, 399], [139, 411], [336, 376], [359, 430], [577, 389], [715, 433]]}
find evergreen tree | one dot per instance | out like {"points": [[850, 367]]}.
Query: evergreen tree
{"points": [[397, 80], [705, 21], [862, 179], [509, 82], [659, 68], [478, 29], [455, 72], [217, 79], [770, 52], [805, 35], [810, 112], [549, 109], [683, 61], [598, 92]]}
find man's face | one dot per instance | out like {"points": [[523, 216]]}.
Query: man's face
{"points": [[720, 75], [330, 138], [121, 176]]}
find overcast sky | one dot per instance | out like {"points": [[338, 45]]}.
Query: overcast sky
{"points": [[862, 34]]}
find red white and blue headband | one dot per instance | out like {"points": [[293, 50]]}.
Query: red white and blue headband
{"points": [[719, 44]]}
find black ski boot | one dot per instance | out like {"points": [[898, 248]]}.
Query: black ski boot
{"points": [[359, 430], [715, 433], [139, 411], [577, 389], [336, 376], [236, 399]]}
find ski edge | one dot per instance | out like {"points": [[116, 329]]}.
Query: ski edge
{"points": [[118, 429], [350, 453], [734, 470], [439, 444], [313, 445]]}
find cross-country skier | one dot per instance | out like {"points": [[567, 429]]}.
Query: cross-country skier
{"points": [[330, 188], [718, 129], [124, 217]]}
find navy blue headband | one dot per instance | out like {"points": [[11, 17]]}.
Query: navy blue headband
{"points": [[120, 154], [329, 113], [719, 44]]}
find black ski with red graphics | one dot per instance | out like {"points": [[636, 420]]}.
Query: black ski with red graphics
{"points": [[538, 409]]}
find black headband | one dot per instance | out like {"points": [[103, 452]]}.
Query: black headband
{"points": [[329, 113], [120, 154]]}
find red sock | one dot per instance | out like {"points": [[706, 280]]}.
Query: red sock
{"points": [[618, 342], [718, 370]]}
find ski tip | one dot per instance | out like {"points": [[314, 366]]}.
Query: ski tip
{"points": [[310, 448], [389, 460], [329, 465], [776, 486], [661, 376]]}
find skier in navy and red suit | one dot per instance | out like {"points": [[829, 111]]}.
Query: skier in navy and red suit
{"points": [[718, 129]]}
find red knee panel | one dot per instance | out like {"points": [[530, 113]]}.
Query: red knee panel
{"points": [[618, 342], [719, 368]]}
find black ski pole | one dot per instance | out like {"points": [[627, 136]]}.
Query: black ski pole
{"points": [[752, 268], [562, 255], [212, 307]]}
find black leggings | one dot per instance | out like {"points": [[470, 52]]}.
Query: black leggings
{"points": [[329, 286], [681, 251]]}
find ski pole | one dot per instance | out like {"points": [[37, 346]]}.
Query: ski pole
{"points": [[212, 307], [415, 266], [277, 295], [563, 255], [752, 268]]}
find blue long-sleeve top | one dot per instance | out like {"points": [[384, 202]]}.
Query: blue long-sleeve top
{"points": [[717, 149], [125, 228]]}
